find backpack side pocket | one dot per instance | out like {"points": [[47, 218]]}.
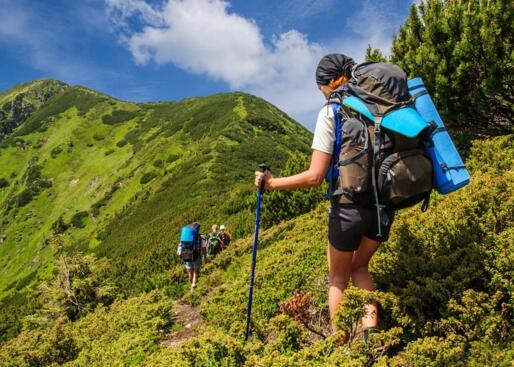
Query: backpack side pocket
{"points": [[405, 179], [355, 157]]}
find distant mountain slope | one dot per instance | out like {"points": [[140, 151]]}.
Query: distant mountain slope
{"points": [[121, 178], [19, 103]]}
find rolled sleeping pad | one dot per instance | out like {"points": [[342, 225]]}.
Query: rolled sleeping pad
{"points": [[450, 174]]}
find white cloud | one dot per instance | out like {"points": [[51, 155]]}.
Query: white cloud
{"points": [[120, 10], [204, 37], [289, 82]]}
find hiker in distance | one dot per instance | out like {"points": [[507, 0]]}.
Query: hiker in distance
{"points": [[225, 237], [352, 226], [213, 243], [192, 248]]}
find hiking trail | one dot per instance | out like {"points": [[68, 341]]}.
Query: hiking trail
{"points": [[186, 317]]}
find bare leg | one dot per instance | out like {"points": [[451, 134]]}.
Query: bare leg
{"points": [[339, 266], [362, 279], [195, 277], [190, 274]]}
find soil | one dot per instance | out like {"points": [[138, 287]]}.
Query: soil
{"points": [[188, 318]]}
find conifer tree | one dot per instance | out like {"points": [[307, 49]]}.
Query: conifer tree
{"points": [[374, 54], [463, 51], [78, 285]]}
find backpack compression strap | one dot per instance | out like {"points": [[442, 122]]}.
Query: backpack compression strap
{"points": [[382, 217], [376, 151]]}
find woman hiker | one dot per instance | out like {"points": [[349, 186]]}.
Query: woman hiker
{"points": [[352, 228]]}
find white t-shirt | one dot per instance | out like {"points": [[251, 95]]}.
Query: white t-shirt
{"points": [[324, 133]]}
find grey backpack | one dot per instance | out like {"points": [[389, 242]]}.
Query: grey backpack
{"points": [[379, 154]]}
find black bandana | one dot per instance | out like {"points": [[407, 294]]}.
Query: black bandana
{"points": [[333, 66]]}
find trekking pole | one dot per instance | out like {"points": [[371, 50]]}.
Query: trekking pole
{"points": [[263, 168]]}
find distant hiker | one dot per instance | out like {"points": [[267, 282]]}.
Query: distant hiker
{"points": [[225, 237], [191, 249], [344, 152], [213, 243]]}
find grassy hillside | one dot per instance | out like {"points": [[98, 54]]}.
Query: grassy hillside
{"points": [[445, 283], [20, 102], [445, 278], [119, 179], [207, 184]]}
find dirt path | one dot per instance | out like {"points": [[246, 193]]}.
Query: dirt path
{"points": [[188, 318]]}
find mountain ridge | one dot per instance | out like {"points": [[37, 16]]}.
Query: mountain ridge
{"points": [[18, 103], [87, 160]]}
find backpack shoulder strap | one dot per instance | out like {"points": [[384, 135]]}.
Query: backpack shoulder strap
{"points": [[338, 130], [333, 171]]}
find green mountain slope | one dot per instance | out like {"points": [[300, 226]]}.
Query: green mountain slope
{"points": [[120, 178], [20, 102], [446, 294]]}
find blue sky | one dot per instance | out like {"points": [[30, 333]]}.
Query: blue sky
{"points": [[158, 50]]}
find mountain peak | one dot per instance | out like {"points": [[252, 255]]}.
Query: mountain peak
{"points": [[20, 102], [38, 84]]}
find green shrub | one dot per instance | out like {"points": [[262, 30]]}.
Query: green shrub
{"points": [[118, 116], [213, 348], [23, 198], [32, 174], [3, 183], [40, 347], [78, 219], [55, 152], [172, 158], [78, 286], [147, 177], [121, 143], [98, 137], [59, 226], [126, 331], [95, 208], [445, 43], [284, 335]]}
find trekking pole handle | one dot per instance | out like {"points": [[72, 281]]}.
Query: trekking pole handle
{"points": [[263, 168]]}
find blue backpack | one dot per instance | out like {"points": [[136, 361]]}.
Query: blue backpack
{"points": [[190, 242]]}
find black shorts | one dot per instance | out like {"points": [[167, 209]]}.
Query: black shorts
{"points": [[348, 223]]}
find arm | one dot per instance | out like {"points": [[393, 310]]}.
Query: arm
{"points": [[313, 177]]}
